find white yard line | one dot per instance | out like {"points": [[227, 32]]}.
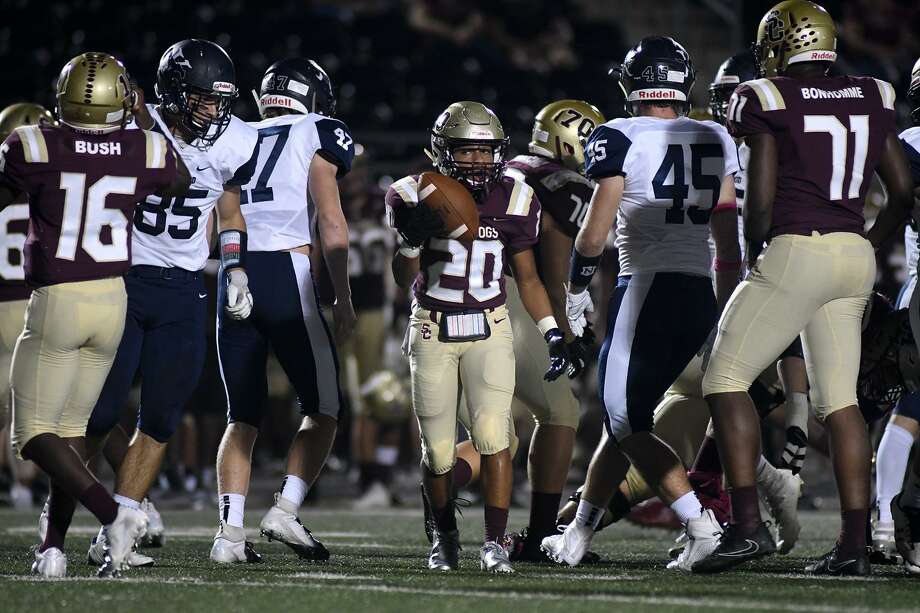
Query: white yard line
{"points": [[187, 532]]}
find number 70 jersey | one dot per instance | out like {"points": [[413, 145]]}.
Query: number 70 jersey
{"points": [[672, 171]]}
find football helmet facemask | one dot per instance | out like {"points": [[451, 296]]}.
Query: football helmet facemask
{"points": [[297, 84], [464, 124], [94, 94], [560, 130], [794, 31], [196, 82], [656, 71], [734, 71]]}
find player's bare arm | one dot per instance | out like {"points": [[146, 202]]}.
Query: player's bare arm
{"points": [[895, 173], [601, 213], [555, 250], [758, 208], [724, 228], [334, 231]]}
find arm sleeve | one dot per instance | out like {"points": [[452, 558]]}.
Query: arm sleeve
{"points": [[12, 164], [336, 145], [526, 227], [605, 153], [400, 194], [747, 116]]}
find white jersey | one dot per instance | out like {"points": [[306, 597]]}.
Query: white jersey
{"points": [[279, 214], [910, 138], [172, 232], [673, 171]]}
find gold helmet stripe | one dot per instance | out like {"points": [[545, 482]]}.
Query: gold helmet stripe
{"points": [[521, 196], [156, 150], [407, 188], [34, 148], [887, 92], [768, 94]]}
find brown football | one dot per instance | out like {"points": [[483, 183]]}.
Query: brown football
{"points": [[453, 202]]}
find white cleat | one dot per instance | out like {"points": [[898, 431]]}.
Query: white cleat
{"points": [[20, 497], [231, 547], [493, 558], [782, 490], [281, 524], [570, 546], [377, 496], [43, 523], [156, 531], [120, 537], [883, 544], [703, 534], [50, 564], [99, 547]]}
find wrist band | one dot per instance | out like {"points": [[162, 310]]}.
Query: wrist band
{"points": [[582, 269], [232, 249], [546, 324], [726, 265], [725, 205], [409, 252]]}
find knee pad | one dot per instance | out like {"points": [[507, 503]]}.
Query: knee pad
{"points": [[439, 456], [490, 432], [562, 410], [159, 425]]}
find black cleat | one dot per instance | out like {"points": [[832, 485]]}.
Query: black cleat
{"points": [[445, 551], [831, 565], [735, 549]]}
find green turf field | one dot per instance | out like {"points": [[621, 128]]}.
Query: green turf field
{"points": [[378, 565]]}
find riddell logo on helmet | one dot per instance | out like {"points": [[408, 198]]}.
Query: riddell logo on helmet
{"points": [[276, 101], [823, 55], [657, 94]]}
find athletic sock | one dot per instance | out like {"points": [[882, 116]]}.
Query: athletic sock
{"points": [[543, 510], [745, 509], [294, 490], [98, 501], [61, 506], [687, 507], [890, 464], [852, 540], [463, 473], [231, 507], [127, 502], [707, 458], [496, 520], [797, 411], [588, 515], [445, 519]]}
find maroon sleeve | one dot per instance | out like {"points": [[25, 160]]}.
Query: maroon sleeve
{"points": [[747, 116], [13, 167], [400, 194], [525, 229]]}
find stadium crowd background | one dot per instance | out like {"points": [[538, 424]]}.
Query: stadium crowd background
{"points": [[395, 64]]}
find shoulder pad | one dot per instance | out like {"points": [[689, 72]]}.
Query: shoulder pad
{"points": [[886, 91], [34, 148], [767, 93], [520, 198]]}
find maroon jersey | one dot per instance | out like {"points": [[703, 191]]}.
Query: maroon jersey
{"points": [[829, 133], [14, 226], [563, 193], [455, 275], [82, 190]]}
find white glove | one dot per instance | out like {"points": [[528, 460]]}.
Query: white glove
{"points": [[239, 300], [576, 305]]}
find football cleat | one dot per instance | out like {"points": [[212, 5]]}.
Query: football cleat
{"points": [[120, 538], [907, 534], [231, 547], [493, 558], [43, 523], [50, 564], [570, 546], [377, 496], [703, 535], [445, 551], [883, 550], [781, 491], [281, 524], [679, 544], [97, 551], [830, 564], [735, 549], [156, 531]]}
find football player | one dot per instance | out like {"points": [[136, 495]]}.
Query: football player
{"points": [[665, 179], [815, 276], [164, 334], [459, 331], [303, 150], [83, 180], [904, 425], [554, 170], [14, 294]]}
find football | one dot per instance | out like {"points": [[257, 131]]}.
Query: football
{"points": [[453, 203]]}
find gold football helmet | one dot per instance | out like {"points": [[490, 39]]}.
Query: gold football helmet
{"points": [[23, 114], [94, 93], [386, 398], [468, 123], [794, 31], [560, 130]]}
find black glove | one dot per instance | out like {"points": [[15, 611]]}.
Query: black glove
{"points": [[416, 224], [581, 350], [559, 361]]}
